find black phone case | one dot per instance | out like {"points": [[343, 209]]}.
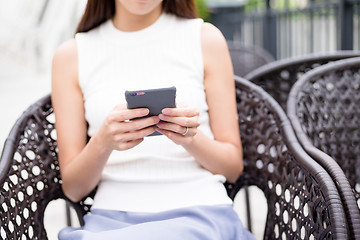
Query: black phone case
{"points": [[153, 99]]}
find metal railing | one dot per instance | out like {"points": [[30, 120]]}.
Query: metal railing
{"points": [[309, 26]]}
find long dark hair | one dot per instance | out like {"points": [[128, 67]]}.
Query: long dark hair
{"points": [[98, 11]]}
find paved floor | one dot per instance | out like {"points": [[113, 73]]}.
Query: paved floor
{"points": [[21, 85]]}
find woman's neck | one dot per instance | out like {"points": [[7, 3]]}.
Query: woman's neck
{"points": [[126, 21]]}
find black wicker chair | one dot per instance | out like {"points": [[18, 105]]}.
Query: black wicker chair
{"points": [[29, 174], [302, 200], [324, 109], [279, 76], [246, 58]]}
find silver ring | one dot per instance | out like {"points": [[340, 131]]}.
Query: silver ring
{"points": [[186, 131]]}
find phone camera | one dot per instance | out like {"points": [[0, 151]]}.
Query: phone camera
{"points": [[133, 94]]}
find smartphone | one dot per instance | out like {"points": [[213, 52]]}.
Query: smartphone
{"points": [[153, 99]]}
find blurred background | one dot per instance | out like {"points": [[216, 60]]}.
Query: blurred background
{"points": [[31, 31]]}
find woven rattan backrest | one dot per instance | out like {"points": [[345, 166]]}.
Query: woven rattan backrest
{"points": [[278, 77], [247, 58], [299, 192], [29, 174], [325, 110]]}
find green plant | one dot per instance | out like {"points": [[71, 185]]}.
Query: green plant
{"points": [[202, 10], [260, 5], [252, 5]]}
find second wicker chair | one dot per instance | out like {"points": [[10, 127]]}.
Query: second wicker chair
{"points": [[324, 109]]}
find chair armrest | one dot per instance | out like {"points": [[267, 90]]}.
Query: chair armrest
{"points": [[302, 199]]}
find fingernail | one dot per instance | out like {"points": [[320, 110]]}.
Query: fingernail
{"points": [[162, 116], [166, 111]]}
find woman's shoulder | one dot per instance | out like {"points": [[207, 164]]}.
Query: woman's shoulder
{"points": [[65, 59], [211, 37], [67, 51]]}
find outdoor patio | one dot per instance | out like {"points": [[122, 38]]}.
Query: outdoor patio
{"points": [[25, 73]]}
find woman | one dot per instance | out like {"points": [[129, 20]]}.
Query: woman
{"points": [[157, 187]]}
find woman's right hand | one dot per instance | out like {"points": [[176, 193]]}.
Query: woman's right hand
{"points": [[119, 132]]}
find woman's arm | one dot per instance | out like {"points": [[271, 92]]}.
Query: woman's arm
{"points": [[223, 155], [82, 163]]}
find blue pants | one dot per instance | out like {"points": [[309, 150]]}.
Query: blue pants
{"points": [[194, 223]]}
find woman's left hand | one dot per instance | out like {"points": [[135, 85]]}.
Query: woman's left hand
{"points": [[179, 124]]}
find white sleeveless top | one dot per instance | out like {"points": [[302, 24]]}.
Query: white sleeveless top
{"points": [[157, 174]]}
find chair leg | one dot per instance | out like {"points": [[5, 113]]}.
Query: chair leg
{"points": [[68, 214], [248, 210]]}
